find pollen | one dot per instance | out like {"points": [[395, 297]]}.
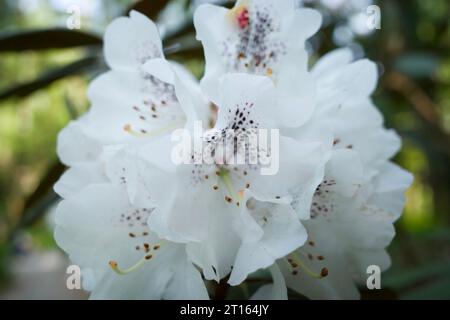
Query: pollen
{"points": [[269, 71]]}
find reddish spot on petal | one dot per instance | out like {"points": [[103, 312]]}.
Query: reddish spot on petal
{"points": [[243, 18]]}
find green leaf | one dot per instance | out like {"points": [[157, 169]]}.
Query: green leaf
{"points": [[37, 204], [438, 289], [46, 184], [150, 8], [46, 39], [407, 279], [184, 47], [417, 65], [49, 77]]}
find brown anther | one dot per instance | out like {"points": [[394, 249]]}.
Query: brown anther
{"points": [[310, 256], [206, 177], [228, 199], [156, 247], [113, 264], [247, 185], [311, 243], [215, 187], [132, 235], [324, 272], [294, 272], [148, 257], [320, 257]]}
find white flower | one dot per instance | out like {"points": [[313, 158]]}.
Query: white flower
{"points": [[361, 195], [264, 37], [346, 236], [206, 199], [96, 224], [104, 233], [128, 103], [316, 209]]}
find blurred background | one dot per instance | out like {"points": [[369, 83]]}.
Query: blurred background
{"points": [[51, 49]]}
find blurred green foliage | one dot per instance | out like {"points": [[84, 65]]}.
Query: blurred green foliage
{"points": [[412, 49]]}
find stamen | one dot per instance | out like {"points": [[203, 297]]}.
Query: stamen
{"points": [[225, 176], [113, 264], [143, 133], [295, 261]]}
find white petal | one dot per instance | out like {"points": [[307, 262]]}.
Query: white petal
{"points": [[211, 26], [128, 107], [98, 225], [255, 94], [353, 81], [191, 99], [186, 284], [281, 55], [275, 291], [75, 146], [94, 211], [336, 58], [346, 170], [337, 285], [283, 233], [79, 177], [365, 258], [389, 188], [131, 41], [299, 164]]}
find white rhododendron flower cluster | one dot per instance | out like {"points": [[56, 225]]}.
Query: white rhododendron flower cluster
{"points": [[143, 226]]}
